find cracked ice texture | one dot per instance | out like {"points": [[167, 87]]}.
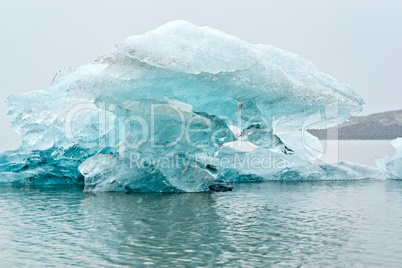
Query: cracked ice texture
{"points": [[270, 95]]}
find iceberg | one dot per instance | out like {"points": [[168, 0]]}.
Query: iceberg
{"points": [[162, 111], [391, 166]]}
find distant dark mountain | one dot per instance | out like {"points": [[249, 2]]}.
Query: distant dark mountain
{"points": [[381, 126]]}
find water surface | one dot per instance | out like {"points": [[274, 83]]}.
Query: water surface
{"points": [[288, 224]]}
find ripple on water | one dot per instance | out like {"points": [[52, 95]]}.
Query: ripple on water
{"points": [[283, 224]]}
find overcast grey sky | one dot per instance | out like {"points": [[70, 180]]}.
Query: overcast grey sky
{"points": [[359, 42]]}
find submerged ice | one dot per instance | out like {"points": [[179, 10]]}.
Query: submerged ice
{"points": [[158, 114]]}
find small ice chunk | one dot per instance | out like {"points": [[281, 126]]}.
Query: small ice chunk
{"points": [[391, 166]]}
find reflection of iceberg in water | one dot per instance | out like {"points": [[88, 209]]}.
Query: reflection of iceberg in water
{"points": [[275, 222], [154, 225], [391, 166], [157, 115]]}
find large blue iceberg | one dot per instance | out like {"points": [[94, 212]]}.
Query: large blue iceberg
{"points": [[391, 166], [179, 108]]}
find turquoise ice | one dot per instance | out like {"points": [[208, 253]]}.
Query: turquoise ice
{"points": [[163, 110]]}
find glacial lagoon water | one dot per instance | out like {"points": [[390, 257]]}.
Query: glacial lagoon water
{"points": [[279, 224]]}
